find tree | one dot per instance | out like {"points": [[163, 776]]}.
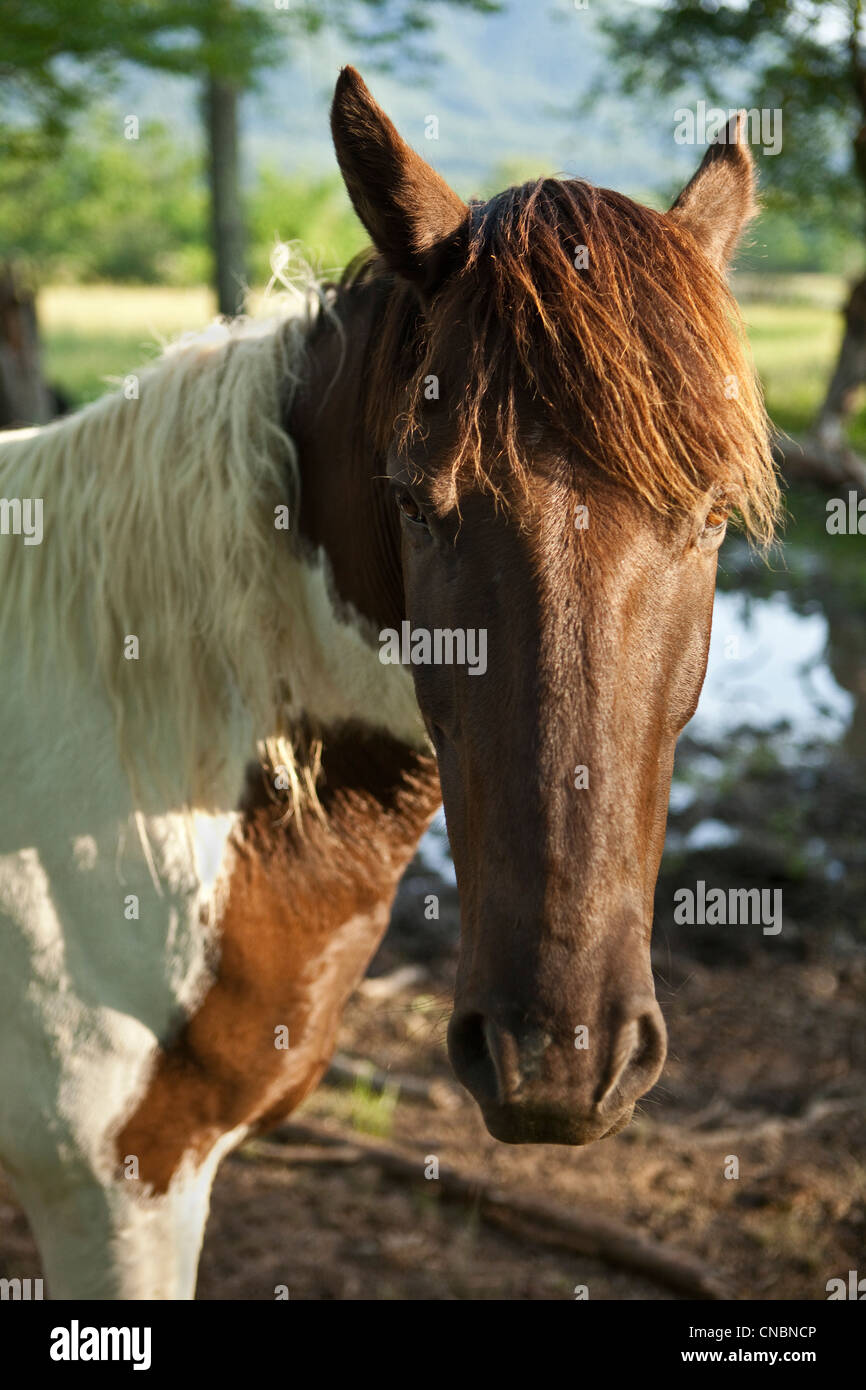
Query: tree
{"points": [[97, 214], [238, 41], [807, 59], [54, 57], [25, 397], [56, 53]]}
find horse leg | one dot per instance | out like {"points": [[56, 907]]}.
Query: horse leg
{"points": [[111, 1240]]}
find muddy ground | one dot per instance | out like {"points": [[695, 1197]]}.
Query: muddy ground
{"points": [[767, 1064]]}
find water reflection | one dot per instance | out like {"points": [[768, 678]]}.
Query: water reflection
{"points": [[768, 668]]}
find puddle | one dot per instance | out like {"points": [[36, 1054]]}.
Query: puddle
{"points": [[768, 669], [435, 851]]}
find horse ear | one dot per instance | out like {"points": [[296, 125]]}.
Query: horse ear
{"points": [[718, 202], [415, 220]]}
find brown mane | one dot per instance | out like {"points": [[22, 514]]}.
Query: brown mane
{"points": [[638, 362]]}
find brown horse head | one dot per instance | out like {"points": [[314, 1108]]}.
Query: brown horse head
{"points": [[560, 393]]}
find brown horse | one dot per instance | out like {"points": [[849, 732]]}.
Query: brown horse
{"points": [[520, 429]]}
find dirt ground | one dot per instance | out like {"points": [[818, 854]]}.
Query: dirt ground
{"points": [[767, 1062]]}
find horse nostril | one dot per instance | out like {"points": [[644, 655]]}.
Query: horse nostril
{"points": [[470, 1056], [636, 1058]]}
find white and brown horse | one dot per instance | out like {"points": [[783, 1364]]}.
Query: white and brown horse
{"points": [[529, 418]]}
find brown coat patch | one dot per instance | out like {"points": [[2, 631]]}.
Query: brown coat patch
{"points": [[304, 915]]}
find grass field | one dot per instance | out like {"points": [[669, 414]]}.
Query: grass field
{"points": [[794, 346], [95, 333]]}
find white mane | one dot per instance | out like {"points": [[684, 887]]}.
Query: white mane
{"points": [[159, 523]]}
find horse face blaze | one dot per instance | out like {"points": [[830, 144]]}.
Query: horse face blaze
{"points": [[555, 763]]}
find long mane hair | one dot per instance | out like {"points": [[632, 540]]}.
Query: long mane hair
{"points": [[160, 523]]}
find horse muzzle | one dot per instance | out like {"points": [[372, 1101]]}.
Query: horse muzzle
{"points": [[534, 1086]]}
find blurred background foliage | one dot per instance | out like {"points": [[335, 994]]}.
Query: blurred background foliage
{"points": [[135, 212]]}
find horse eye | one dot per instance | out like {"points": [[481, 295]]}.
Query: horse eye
{"points": [[716, 519], [410, 509]]}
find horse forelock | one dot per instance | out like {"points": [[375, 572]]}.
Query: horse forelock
{"points": [[601, 319]]}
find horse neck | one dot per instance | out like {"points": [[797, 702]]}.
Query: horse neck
{"points": [[344, 507], [348, 529]]}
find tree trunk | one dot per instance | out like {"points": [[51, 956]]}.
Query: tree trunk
{"points": [[227, 229], [848, 377], [824, 456], [25, 398]]}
